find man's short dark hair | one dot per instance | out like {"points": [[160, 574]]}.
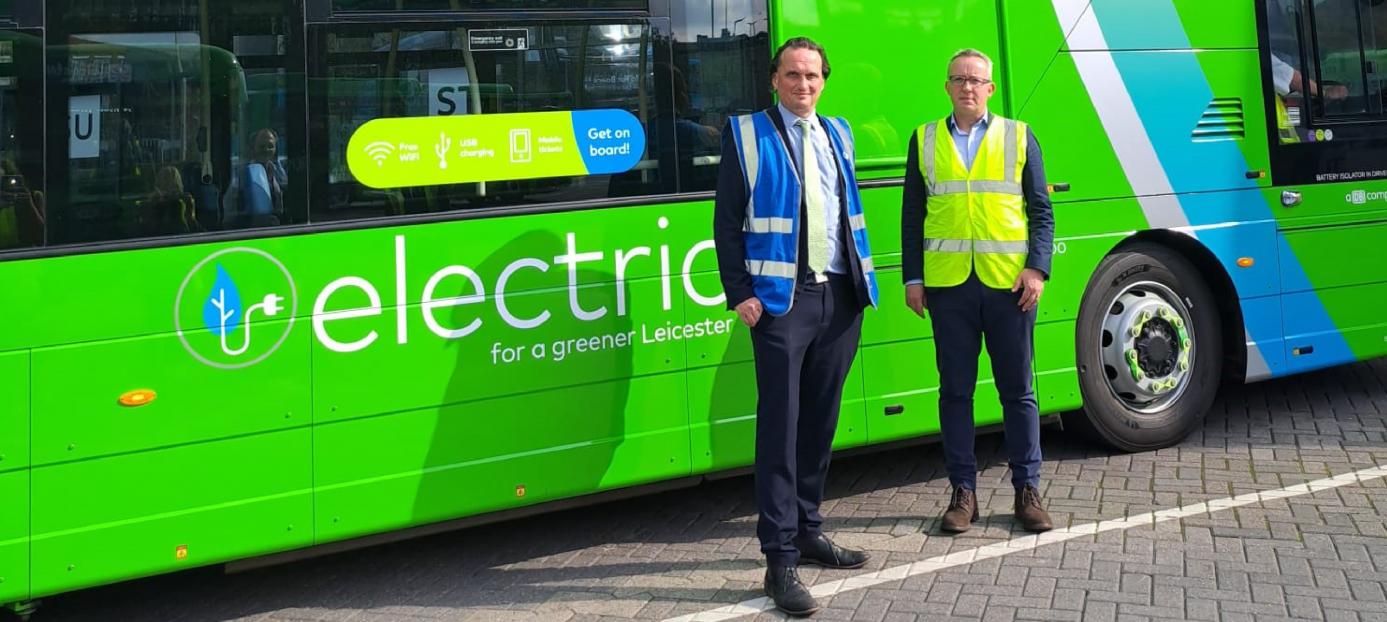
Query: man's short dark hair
{"points": [[800, 43]]}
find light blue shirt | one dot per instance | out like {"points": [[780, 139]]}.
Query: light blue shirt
{"points": [[968, 142], [261, 199], [829, 187]]}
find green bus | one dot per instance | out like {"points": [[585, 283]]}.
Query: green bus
{"points": [[280, 275]]}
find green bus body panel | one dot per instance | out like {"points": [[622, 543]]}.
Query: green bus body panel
{"points": [[722, 401], [78, 421], [14, 411], [1217, 24], [1033, 42], [14, 536], [904, 93], [1084, 160], [14, 476], [1330, 205], [402, 469], [1057, 380], [115, 518]]}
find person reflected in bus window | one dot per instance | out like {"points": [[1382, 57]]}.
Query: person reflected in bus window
{"points": [[687, 137], [170, 210], [805, 314], [256, 196], [22, 214], [696, 142]]}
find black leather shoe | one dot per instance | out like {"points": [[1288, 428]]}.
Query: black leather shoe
{"points": [[789, 593], [822, 551]]}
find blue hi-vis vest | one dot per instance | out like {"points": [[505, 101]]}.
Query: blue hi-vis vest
{"points": [[772, 224]]}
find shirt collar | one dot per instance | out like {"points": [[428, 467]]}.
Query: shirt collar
{"points": [[790, 118], [982, 123]]}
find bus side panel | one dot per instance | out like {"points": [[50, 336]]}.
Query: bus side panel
{"points": [[14, 476], [897, 52], [116, 518], [192, 402], [722, 376], [1210, 25], [421, 466], [1334, 294], [14, 536]]}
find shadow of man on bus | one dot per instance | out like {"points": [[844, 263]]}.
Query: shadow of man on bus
{"points": [[529, 414]]}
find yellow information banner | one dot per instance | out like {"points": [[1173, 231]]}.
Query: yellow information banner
{"points": [[430, 151]]}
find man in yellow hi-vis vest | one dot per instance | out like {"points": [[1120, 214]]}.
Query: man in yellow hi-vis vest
{"points": [[977, 234]]}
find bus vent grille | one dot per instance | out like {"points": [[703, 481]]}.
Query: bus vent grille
{"points": [[1222, 120]]}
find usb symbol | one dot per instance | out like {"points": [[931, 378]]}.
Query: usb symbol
{"points": [[444, 144]]}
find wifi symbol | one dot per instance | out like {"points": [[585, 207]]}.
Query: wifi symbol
{"points": [[379, 151]]}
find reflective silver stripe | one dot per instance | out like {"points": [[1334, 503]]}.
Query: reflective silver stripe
{"points": [[751, 155], [769, 225], [927, 148], [845, 135], [858, 222], [1002, 248], [940, 188], [751, 159], [782, 269], [867, 265], [996, 187], [1010, 171], [946, 245]]}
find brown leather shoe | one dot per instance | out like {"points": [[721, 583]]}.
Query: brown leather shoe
{"points": [[1030, 513], [963, 510]]}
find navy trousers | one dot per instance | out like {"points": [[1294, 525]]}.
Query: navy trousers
{"points": [[963, 316], [802, 360]]}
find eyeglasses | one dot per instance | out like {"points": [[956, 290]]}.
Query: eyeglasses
{"points": [[969, 80]]}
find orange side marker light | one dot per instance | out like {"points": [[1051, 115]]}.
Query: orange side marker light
{"points": [[138, 397]]}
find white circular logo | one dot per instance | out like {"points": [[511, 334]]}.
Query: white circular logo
{"points": [[240, 307]]}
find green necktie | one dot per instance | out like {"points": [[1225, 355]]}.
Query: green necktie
{"points": [[814, 201]]}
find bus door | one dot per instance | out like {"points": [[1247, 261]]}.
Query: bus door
{"points": [[1325, 68], [21, 226]]}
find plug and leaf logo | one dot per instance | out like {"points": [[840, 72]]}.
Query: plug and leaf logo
{"points": [[212, 319]]}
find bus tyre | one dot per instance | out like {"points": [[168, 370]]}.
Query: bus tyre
{"points": [[1149, 349]]}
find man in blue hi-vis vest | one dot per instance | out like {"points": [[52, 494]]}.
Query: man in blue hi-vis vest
{"points": [[793, 256]]}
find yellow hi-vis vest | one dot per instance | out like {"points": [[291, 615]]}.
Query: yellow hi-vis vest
{"points": [[1284, 129], [976, 219]]}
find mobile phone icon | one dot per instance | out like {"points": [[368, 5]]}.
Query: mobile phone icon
{"points": [[520, 146]]}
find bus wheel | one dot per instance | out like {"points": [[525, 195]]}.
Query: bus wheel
{"points": [[1149, 348]]}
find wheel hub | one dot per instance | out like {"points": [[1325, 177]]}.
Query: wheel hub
{"points": [[1147, 348]]}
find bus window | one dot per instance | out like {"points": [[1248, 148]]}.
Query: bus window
{"points": [[1346, 83], [1326, 66], [176, 122], [377, 72], [721, 69], [21, 182]]}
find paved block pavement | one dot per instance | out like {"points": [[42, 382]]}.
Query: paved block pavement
{"points": [[1316, 556]]}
